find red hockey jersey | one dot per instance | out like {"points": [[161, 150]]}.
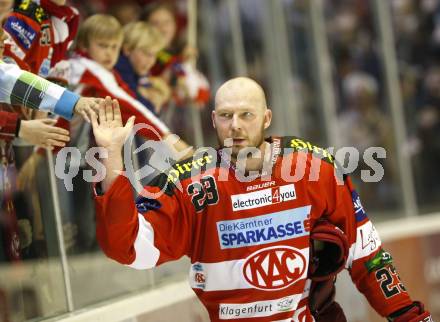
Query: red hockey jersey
{"points": [[248, 241]]}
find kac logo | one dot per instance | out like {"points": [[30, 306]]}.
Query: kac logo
{"points": [[274, 268], [199, 278]]}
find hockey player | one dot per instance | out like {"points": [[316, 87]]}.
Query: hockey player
{"points": [[264, 246]]}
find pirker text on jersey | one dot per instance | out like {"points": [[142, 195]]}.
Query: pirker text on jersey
{"points": [[300, 145], [183, 168]]}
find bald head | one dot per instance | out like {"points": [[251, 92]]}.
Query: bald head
{"points": [[241, 114], [240, 91]]}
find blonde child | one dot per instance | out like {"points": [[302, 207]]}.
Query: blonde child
{"points": [[140, 47], [91, 71]]}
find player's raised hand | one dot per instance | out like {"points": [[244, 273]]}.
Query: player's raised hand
{"points": [[108, 129]]}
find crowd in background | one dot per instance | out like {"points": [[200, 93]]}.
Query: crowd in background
{"points": [[136, 51], [364, 115]]}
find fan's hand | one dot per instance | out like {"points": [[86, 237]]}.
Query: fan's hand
{"points": [[87, 106]]}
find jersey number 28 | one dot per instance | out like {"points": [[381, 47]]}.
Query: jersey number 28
{"points": [[203, 193]]}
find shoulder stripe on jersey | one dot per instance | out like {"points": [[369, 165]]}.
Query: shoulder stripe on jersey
{"points": [[296, 144], [32, 10], [192, 166], [161, 181]]}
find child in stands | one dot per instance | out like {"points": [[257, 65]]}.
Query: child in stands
{"points": [[91, 73], [140, 47]]}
